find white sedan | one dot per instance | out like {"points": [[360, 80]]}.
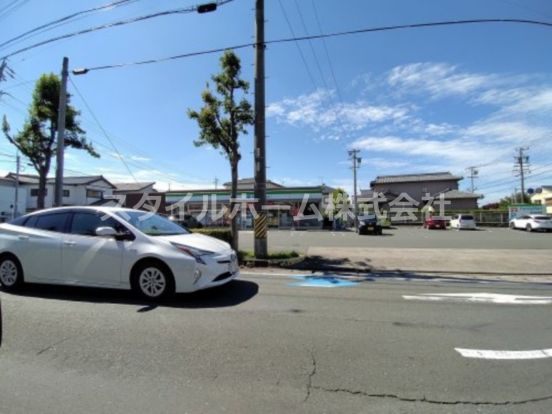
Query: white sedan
{"points": [[463, 221], [532, 222], [112, 248]]}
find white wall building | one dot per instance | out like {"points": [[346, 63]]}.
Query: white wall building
{"points": [[77, 191], [7, 199]]}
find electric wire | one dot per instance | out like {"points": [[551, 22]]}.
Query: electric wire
{"points": [[63, 20], [326, 36], [185, 10], [102, 128]]}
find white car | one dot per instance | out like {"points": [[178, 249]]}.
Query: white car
{"points": [[112, 248], [463, 221], [532, 222]]}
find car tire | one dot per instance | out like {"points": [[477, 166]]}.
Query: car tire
{"points": [[153, 281], [11, 273], [529, 228], [512, 226]]}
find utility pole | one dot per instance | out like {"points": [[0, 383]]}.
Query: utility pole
{"points": [[474, 173], [216, 183], [16, 197], [521, 167], [353, 156], [261, 248], [58, 196]]}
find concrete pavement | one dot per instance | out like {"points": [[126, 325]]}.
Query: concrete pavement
{"points": [[263, 345]]}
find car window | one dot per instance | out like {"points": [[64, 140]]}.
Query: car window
{"points": [[466, 217], [31, 222], [52, 222], [19, 221], [85, 224], [541, 218], [151, 224]]}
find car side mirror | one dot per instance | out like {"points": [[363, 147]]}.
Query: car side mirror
{"points": [[106, 232]]}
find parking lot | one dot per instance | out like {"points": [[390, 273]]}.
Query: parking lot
{"points": [[405, 237]]}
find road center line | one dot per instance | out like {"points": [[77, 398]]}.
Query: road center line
{"points": [[511, 355], [497, 298]]}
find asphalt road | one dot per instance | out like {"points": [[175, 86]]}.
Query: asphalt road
{"points": [[405, 237], [262, 345]]}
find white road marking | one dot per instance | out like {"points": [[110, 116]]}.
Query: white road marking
{"points": [[490, 354], [482, 298]]}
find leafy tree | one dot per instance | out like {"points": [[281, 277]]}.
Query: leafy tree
{"points": [[5, 73], [223, 118], [515, 199], [37, 138]]}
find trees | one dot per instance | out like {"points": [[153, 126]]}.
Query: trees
{"points": [[5, 73], [222, 119], [37, 138]]}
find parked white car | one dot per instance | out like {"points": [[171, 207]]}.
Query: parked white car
{"points": [[112, 248], [463, 221], [531, 222]]}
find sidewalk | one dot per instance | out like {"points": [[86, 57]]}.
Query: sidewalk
{"points": [[467, 261]]}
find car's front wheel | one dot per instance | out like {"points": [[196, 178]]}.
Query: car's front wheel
{"points": [[512, 225], [153, 281], [11, 273]]}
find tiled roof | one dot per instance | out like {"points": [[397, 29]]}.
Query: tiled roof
{"points": [[132, 186], [67, 180], [414, 178], [456, 194]]}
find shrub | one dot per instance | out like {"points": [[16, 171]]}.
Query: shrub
{"points": [[222, 233]]}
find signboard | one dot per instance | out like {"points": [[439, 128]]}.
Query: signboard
{"points": [[517, 210]]}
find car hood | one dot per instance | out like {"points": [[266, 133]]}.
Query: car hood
{"points": [[198, 241]]}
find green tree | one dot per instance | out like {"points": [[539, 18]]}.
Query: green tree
{"points": [[223, 118], [37, 139], [515, 199], [5, 73]]}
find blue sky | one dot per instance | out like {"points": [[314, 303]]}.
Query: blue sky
{"points": [[439, 99]]}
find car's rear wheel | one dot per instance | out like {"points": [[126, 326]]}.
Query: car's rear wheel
{"points": [[153, 281], [528, 228], [11, 273], [512, 226]]}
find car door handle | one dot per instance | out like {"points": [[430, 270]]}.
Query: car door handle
{"points": [[23, 237], [69, 243]]}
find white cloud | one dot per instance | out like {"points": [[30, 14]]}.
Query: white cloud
{"points": [[319, 112], [437, 79]]}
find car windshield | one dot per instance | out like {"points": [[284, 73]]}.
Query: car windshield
{"points": [[151, 224]]}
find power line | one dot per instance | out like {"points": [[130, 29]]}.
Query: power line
{"points": [[11, 7], [309, 73], [102, 128], [332, 72], [65, 19], [186, 10], [325, 36]]}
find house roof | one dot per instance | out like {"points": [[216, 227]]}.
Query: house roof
{"points": [[414, 178], [457, 194], [67, 180], [251, 182], [133, 187]]}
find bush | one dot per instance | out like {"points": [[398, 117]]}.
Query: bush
{"points": [[223, 234]]}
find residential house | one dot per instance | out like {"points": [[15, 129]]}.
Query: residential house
{"points": [[543, 196], [418, 186], [77, 191], [7, 199]]}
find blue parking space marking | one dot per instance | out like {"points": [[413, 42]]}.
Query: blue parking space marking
{"points": [[325, 281]]}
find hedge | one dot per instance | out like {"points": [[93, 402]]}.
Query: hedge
{"points": [[222, 233]]}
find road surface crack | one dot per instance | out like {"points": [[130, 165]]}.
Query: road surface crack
{"points": [[431, 401], [51, 346], [311, 374]]}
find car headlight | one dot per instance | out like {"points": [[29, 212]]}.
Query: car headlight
{"points": [[197, 254]]}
